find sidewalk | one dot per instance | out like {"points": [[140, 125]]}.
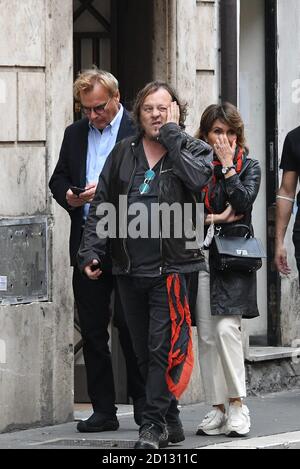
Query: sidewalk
{"points": [[275, 424]]}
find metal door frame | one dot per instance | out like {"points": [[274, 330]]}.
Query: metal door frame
{"points": [[273, 279]]}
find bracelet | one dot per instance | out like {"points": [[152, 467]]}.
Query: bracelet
{"points": [[285, 198]]}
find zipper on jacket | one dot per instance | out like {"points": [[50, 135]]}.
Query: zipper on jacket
{"points": [[193, 224], [128, 190], [160, 227]]}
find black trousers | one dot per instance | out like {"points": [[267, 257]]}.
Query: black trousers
{"points": [[146, 306], [93, 304]]}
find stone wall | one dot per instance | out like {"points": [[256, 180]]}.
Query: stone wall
{"points": [[186, 52], [272, 376], [36, 361]]}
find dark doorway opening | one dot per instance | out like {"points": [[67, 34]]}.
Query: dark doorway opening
{"points": [[115, 35]]}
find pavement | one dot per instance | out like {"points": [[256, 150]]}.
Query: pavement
{"points": [[275, 425]]}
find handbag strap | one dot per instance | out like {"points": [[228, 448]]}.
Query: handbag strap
{"points": [[224, 230]]}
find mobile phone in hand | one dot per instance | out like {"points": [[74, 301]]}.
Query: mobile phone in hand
{"points": [[77, 190]]}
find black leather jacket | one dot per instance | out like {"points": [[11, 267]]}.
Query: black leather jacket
{"points": [[186, 169], [234, 293], [240, 191]]}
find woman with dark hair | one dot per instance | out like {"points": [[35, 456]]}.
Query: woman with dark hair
{"points": [[225, 297]]}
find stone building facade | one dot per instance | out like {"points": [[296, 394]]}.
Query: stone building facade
{"points": [[209, 50], [36, 362]]}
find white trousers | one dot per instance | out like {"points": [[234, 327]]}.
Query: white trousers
{"points": [[221, 355]]}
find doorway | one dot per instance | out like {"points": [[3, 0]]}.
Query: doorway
{"points": [[115, 35], [252, 103]]}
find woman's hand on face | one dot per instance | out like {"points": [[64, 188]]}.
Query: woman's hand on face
{"points": [[173, 113], [224, 151]]}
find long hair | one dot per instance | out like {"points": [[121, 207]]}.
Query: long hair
{"points": [[226, 113], [151, 88]]}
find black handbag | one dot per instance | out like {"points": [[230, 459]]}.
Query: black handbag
{"points": [[237, 253]]}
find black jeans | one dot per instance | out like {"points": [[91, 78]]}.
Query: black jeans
{"points": [[93, 304], [146, 306]]}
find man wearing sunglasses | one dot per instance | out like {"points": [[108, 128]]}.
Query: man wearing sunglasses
{"points": [[162, 165], [84, 151]]}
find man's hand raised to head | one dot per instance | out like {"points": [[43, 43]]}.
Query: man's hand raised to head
{"points": [[173, 113]]}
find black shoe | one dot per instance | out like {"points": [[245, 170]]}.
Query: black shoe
{"points": [[164, 438], [149, 437], [174, 434], [98, 423], [138, 408]]}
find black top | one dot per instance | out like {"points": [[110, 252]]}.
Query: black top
{"points": [[290, 160], [144, 252]]}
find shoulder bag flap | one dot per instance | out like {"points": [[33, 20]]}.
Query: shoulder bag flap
{"points": [[240, 247]]}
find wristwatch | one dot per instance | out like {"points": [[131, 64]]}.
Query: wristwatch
{"points": [[226, 169]]}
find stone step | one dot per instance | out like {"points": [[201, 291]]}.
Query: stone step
{"points": [[261, 354]]}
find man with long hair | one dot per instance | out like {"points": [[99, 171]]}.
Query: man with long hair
{"points": [[161, 166]]}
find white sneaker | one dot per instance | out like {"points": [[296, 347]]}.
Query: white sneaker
{"points": [[238, 421], [213, 423]]}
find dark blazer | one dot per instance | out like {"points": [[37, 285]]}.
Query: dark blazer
{"points": [[71, 171]]}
